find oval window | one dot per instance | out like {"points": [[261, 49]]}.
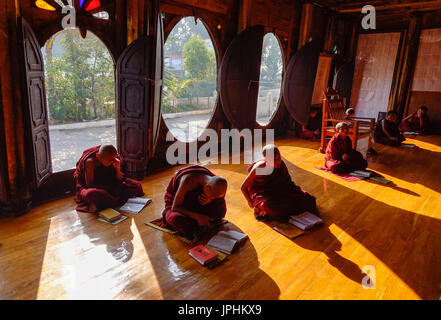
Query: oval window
{"points": [[270, 79], [190, 71], [80, 91]]}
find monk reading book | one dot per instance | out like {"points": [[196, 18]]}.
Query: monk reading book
{"points": [[416, 122], [269, 190], [386, 131], [194, 199], [100, 181], [340, 157]]}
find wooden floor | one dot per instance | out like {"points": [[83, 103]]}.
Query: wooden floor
{"points": [[55, 252]]}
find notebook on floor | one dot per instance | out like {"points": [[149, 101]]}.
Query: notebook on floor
{"points": [[305, 220]]}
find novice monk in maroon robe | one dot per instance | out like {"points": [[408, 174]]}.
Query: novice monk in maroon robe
{"points": [[100, 182], [416, 122], [195, 198], [273, 195], [340, 157], [386, 131]]}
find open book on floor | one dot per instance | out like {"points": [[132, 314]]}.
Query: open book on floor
{"points": [[135, 205], [305, 220], [227, 241]]}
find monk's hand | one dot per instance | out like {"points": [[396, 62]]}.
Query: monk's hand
{"points": [[345, 156], [117, 164]]}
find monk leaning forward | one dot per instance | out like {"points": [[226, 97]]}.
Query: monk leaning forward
{"points": [[100, 181], [272, 194], [194, 199]]}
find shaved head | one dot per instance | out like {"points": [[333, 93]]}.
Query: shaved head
{"points": [[218, 186], [107, 150], [270, 148]]}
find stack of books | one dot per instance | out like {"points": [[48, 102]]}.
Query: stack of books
{"points": [[109, 215], [305, 220]]}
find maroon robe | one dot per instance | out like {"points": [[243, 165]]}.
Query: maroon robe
{"points": [[414, 125], [107, 191], [278, 196], [181, 223], [334, 152], [392, 127]]}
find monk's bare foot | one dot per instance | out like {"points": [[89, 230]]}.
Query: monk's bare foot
{"points": [[92, 208]]}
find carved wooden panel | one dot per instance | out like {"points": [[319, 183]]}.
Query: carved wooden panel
{"points": [[374, 69], [35, 105], [427, 72], [239, 77], [133, 95], [298, 83]]}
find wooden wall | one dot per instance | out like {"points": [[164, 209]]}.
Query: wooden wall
{"points": [[374, 71]]}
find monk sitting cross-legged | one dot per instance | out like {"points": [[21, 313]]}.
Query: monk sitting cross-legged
{"points": [[194, 199], [269, 190], [100, 182], [386, 131], [340, 156]]}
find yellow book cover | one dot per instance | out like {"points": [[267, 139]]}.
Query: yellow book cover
{"points": [[109, 214]]}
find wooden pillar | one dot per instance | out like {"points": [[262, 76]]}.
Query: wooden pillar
{"points": [[330, 32], [306, 24], [350, 51], [244, 12], [137, 19], [410, 52], [18, 181]]}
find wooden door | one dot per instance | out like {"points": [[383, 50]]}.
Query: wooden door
{"points": [[298, 83], [139, 75], [239, 77], [158, 81], [35, 105], [134, 91]]}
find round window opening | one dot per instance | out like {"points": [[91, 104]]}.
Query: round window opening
{"points": [[270, 80], [189, 94]]}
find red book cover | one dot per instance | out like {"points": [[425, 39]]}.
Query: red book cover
{"points": [[203, 253]]}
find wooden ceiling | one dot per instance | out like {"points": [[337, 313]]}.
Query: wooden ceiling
{"points": [[390, 14]]}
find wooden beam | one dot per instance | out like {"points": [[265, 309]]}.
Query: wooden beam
{"points": [[383, 5]]}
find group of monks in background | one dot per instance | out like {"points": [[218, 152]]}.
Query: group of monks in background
{"points": [[195, 196]]}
